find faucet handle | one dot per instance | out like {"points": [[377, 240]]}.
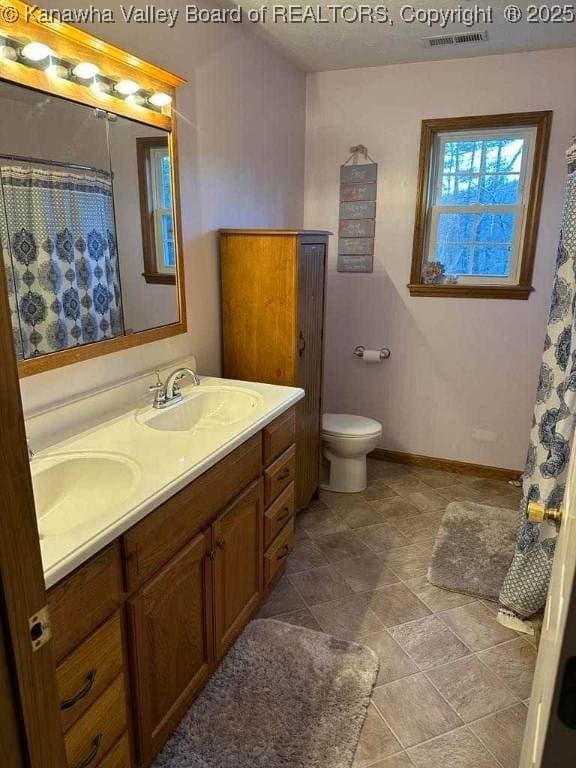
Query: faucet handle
{"points": [[159, 385]]}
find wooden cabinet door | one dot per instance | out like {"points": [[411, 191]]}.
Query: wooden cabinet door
{"points": [[170, 624], [310, 344], [238, 543]]}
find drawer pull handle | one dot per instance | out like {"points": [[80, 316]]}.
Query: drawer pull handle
{"points": [[301, 344], [84, 691], [283, 553], [94, 749], [284, 516], [285, 474], [221, 543]]}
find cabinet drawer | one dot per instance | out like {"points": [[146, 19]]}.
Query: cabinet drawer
{"points": [[276, 555], [99, 728], [89, 670], [278, 514], [119, 755], [278, 436], [83, 600], [152, 542], [279, 475]]}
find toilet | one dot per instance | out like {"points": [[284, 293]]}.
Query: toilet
{"points": [[346, 441]]}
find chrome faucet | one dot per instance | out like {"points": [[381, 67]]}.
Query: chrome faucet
{"points": [[169, 393]]}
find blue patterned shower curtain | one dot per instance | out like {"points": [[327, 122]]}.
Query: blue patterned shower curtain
{"points": [[59, 246], [526, 585]]}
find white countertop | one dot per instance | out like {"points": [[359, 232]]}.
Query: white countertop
{"points": [[163, 462]]}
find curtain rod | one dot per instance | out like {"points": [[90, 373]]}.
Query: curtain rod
{"points": [[58, 163]]}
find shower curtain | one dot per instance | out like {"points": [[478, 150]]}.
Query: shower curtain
{"points": [[59, 245], [526, 585]]}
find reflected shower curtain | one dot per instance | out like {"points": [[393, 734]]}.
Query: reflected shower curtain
{"points": [[59, 245], [526, 585]]}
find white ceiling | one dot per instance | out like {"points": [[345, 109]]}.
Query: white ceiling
{"points": [[324, 46]]}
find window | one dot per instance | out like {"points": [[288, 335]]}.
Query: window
{"points": [[479, 195], [155, 181]]}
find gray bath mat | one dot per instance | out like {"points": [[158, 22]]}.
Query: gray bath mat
{"points": [[474, 549], [284, 697]]}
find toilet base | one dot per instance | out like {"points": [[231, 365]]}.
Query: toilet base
{"points": [[343, 474]]}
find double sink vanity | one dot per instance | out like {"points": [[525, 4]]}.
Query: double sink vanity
{"points": [[161, 531]]}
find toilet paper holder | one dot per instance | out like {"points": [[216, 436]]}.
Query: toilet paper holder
{"points": [[384, 352]]}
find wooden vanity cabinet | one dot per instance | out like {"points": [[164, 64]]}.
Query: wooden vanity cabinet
{"points": [[170, 637], [140, 627], [272, 286]]}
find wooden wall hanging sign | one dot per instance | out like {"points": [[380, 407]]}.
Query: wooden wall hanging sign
{"points": [[358, 188]]}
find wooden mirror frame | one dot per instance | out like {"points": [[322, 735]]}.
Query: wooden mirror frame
{"points": [[73, 45]]}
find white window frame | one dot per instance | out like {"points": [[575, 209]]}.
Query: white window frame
{"points": [[156, 155], [520, 209]]}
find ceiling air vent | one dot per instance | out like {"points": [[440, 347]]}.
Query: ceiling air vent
{"points": [[440, 41]]}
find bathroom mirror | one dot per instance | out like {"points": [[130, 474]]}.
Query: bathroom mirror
{"points": [[89, 221]]}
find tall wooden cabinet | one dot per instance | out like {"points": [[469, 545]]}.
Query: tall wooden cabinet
{"points": [[272, 284]]}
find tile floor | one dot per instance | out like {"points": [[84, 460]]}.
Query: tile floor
{"points": [[453, 684]]}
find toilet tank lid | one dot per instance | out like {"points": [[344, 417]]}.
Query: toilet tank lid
{"points": [[349, 425]]}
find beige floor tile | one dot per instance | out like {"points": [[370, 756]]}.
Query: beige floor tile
{"points": [[394, 508], [415, 710], [476, 625], [459, 749], [305, 555], [349, 618], [502, 734], [436, 478], [471, 689], [366, 572], [320, 585], [377, 490], [506, 501], [461, 492], [360, 514], [427, 545], [435, 598], [376, 740], [284, 598], [429, 642], [420, 529], [301, 618], [384, 537], [401, 760], [408, 484], [320, 520], [381, 469], [337, 500], [514, 663], [408, 562], [427, 501], [396, 605], [394, 662], [340, 546]]}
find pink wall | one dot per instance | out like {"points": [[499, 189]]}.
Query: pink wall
{"points": [[241, 140], [461, 380]]}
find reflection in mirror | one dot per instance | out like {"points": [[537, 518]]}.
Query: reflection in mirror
{"points": [[143, 200], [81, 265]]}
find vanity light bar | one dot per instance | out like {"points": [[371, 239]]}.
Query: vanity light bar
{"points": [[85, 72]]}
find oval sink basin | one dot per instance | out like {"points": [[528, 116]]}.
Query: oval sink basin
{"points": [[72, 490], [205, 409]]}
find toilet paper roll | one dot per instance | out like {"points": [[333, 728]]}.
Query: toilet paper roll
{"points": [[372, 356]]}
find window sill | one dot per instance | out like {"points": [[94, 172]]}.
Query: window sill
{"points": [[519, 292], [158, 278]]}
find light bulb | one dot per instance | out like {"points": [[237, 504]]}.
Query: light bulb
{"points": [[56, 70], [85, 70], [160, 99], [127, 87], [7, 52], [36, 51]]}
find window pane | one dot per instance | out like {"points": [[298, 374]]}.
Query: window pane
{"points": [[168, 241], [455, 258], [504, 155], [459, 190], [491, 260], [495, 228], [500, 189], [166, 182], [455, 227]]}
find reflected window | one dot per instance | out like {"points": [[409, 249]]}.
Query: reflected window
{"points": [[155, 181]]}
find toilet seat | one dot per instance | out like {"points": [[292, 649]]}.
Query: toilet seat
{"points": [[349, 426]]}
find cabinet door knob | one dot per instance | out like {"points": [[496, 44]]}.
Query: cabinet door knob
{"points": [[83, 691], [92, 752], [221, 543]]}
